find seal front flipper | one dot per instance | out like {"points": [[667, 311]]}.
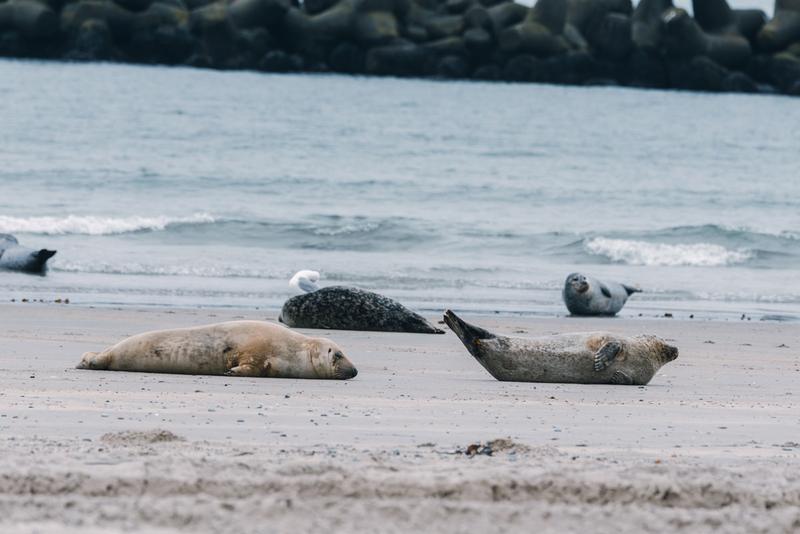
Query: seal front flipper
{"points": [[606, 354], [630, 290], [467, 333], [604, 290], [621, 379], [242, 370]]}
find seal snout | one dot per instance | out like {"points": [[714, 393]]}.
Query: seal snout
{"points": [[346, 372], [669, 353]]}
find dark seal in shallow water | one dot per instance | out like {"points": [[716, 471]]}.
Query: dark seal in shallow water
{"points": [[348, 308], [579, 358], [14, 257]]}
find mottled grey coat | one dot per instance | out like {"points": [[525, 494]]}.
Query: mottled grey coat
{"points": [[348, 308], [581, 358]]}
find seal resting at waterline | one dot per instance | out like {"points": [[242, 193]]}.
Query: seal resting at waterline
{"points": [[347, 308], [580, 358], [236, 348], [588, 296], [14, 257]]}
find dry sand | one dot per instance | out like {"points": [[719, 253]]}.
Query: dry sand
{"points": [[712, 444]]}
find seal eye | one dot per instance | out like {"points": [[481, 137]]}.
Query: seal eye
{"points": [[337, 356]]}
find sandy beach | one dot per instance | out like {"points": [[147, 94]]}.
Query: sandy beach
{"points": [[712, 444]]}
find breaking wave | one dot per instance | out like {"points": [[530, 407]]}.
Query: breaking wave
{"points": [[94, 225], [634, 252]]}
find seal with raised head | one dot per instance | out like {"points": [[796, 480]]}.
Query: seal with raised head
{"points": [[348, 308], [588, 296], [235, 348], [14, 257], [579, 358]]}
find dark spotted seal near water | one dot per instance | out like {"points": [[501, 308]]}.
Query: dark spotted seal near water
{"points": [[580, 358], [14, 257], [348, 308], [588, 296], [235, 348]]}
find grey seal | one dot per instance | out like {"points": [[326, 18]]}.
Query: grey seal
{"points": [[588, 296], [348, 308], [579, 358], [14, 257], [235, 348]]}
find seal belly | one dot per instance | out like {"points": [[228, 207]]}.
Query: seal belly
{"points": [[185, 353], [541, 361]]}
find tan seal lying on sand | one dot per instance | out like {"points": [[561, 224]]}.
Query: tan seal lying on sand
{"points": [[581, 358], [236, 348]]}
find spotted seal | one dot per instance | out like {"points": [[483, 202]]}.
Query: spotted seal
{"points": [[580, 358], [14, 257], [348, 308], [584, 295], [235, 348]]}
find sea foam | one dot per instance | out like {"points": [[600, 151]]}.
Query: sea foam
{"points": [[634, 252], [94, 225]]}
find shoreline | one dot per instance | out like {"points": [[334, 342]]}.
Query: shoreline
{"points": [[710, 443]]}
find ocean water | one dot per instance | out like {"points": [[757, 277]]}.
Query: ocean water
{"points": [[180, 187]]}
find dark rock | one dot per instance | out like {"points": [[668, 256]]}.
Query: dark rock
{"points": [[488, 72], [699, 74], [749, 22], [452, 67], [739, 82], [525, 68], [783, 29], [280, 61], [784, 71], [258, 13], [93, 42], [478, 17], [312, 7], [478, 41], [405, 59], [587, 14], [575, 68], [347, 58], [134, 5], [118, 20], [503, 16], [375, 28], [32, 19], [457, 6], [648, 27], [449, 46], [539, 33], [415, 33], [646, 68], [611, 36], [11, 44], [684, 39]]}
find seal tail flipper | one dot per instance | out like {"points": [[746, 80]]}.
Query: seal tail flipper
{"points": [[94, 360], [467, 333], [630, 290]]}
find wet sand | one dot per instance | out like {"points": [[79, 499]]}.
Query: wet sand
{"points": [[712, 443]]}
